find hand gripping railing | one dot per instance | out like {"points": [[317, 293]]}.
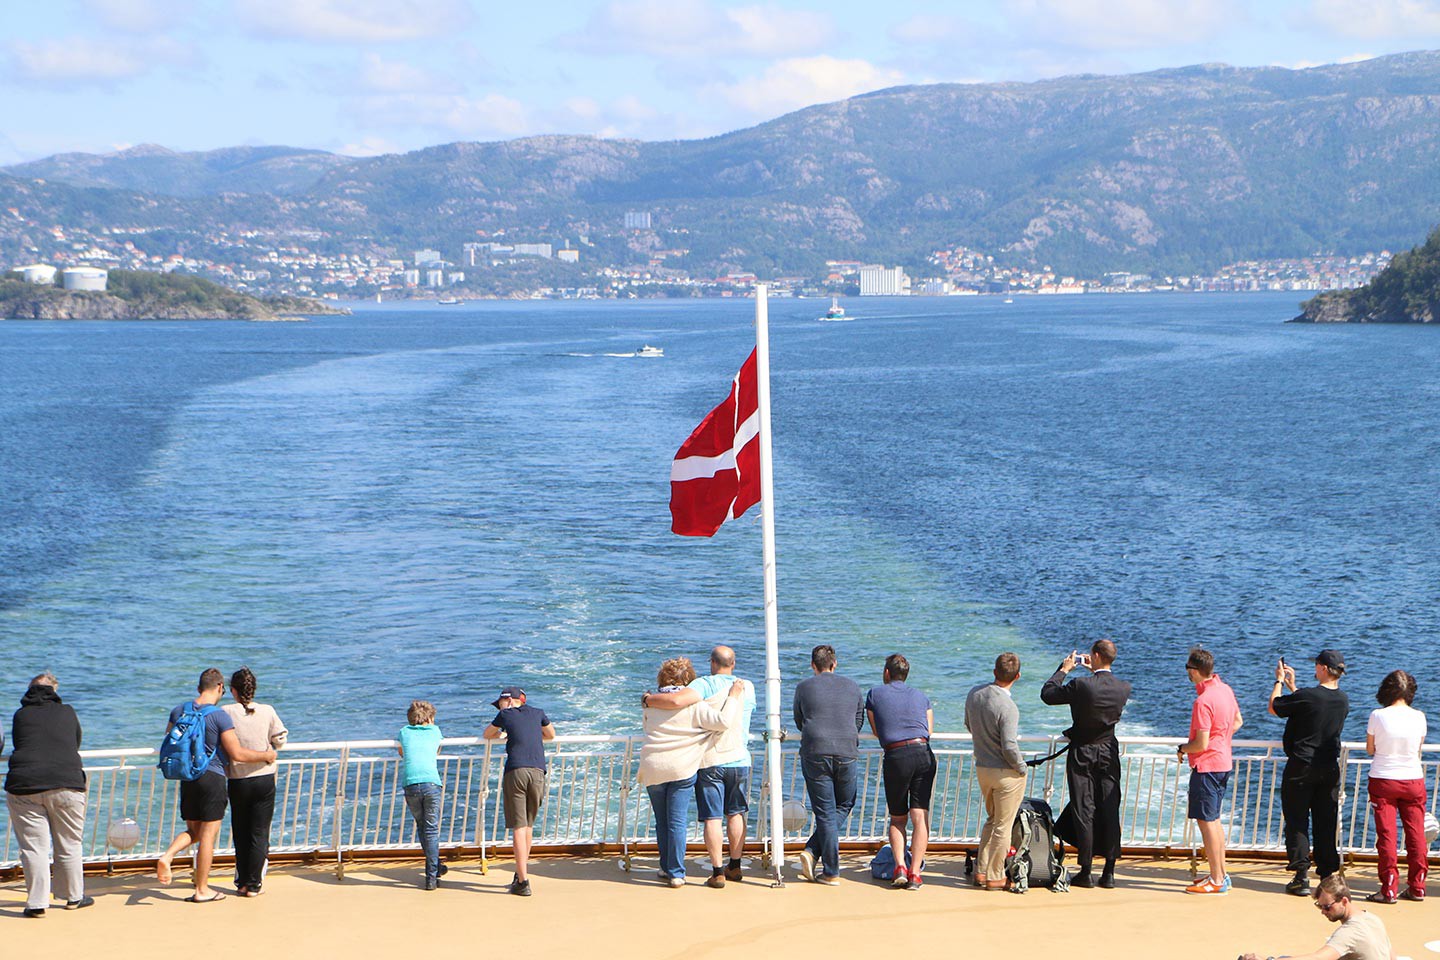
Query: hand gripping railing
{"points": [[335, 800]]}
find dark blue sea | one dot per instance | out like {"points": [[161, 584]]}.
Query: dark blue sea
{"points": [[434, 501]]}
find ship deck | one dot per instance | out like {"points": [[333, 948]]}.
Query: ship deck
{"points": [[587, 907]]}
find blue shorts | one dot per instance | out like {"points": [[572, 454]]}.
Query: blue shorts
{"points": [[1206, 792], [720, 792]]}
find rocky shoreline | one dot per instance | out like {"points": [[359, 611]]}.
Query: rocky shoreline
{"points": [[61, 305]]}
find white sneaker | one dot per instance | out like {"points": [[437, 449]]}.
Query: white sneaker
{"points": [[807, 864], [677, 881]]}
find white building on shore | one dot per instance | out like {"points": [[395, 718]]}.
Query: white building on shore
{"points": [[879, 281], [85, 278], [36, 273]]}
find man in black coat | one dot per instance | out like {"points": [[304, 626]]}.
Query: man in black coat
{"points": [[1091, 820]]}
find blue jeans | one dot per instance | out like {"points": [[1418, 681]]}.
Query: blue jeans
{"points": [[423, 799], [671, 803], [830, 782]]}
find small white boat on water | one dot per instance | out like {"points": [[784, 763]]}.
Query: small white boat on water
{"points": [[836, 312], [649, 351], [448, 301]]}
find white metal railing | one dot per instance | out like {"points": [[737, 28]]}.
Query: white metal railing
{"points": [[333, 798]]}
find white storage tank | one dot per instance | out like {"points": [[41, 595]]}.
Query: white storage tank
{"points": [[84, 278], [38, 273]]}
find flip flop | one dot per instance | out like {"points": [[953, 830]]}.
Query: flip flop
{"points": [[217, 895]]}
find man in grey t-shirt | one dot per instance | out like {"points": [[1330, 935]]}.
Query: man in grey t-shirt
{"points": [[1361, 936]]}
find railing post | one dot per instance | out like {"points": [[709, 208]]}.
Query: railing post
{"points": [[626, 782], [1340, 807], [481, 829], [336, 833]]}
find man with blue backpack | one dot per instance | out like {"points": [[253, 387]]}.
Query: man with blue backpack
{"points": [[199, 744]]}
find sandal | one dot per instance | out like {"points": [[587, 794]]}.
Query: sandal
{"points": [[1378, 897], [217, 895]]}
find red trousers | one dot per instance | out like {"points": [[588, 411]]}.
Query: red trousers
{"points": [[1408, 798]]}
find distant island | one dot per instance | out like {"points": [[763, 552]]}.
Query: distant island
{"points": [[139, 295], [1406, 291]]}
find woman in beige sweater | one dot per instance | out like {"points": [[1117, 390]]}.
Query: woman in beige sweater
{"points": [[252, 785], [675, 743]]}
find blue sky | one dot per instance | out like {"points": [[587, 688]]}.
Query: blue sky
{"points": [[374, 76]]}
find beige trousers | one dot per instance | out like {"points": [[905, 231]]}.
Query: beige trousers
{"points": [[1002, 789], [49, 823]]}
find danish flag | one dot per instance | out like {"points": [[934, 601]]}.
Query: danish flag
{"points": [[716, 473]]}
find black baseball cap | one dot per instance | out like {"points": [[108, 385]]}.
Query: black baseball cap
{"points": [[1333, 660], [514, 693]]}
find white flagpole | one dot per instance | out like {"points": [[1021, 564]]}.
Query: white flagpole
{"points": [[772, 632]]}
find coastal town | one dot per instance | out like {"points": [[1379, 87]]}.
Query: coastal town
{"points": [[317, 264]]}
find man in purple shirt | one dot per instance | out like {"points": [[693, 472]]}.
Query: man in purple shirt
{"points": [[901, 719]]}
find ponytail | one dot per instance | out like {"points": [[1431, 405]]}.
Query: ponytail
{"points": [[242, 681]]}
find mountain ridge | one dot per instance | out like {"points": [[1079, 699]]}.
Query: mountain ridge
{"points": [[1170, 170]]}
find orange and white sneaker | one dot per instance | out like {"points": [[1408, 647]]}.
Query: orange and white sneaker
{"points": [[1209, 886]]}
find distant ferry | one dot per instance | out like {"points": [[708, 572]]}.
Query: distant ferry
{"points": [[836, 312], [649, 351], [448, 301]]}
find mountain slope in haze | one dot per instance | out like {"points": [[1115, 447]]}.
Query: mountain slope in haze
{"points": [[1170, 171]]}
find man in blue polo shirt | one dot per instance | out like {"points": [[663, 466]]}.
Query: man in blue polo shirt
{"points": [[526, 729], [901, 719], [720, 788]]}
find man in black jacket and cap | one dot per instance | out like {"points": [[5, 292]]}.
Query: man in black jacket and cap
{"points": [[45, 792], [1091, 820]]}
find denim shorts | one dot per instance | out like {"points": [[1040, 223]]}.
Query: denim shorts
{"points": [[1206, 792], [720, 792]]}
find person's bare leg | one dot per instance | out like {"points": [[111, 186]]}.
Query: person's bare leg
{"points": [[735, 826], [183, 839], [521, 838], [204, 855], [897, 840], [1213, 836], [919, 839], [715, 842]]}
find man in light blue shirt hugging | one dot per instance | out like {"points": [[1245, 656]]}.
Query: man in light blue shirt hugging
{"points": [[722, 785]]}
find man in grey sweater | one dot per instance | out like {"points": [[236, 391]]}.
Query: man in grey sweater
{"points": [[994, 722], [829, 711]]}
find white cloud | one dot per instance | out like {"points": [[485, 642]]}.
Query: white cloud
{"points": [[1407, 19], [487, 117], [1120, 24], [378, 75], [353, 21], [1308, 64], [930, 29], [136, 16], [369, 146], [68, 62], [802, 81], [683, 29]]}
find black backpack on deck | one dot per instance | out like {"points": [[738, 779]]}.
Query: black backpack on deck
{"points": [[1038, 860]]}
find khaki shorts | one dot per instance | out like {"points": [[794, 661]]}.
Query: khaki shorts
{"points": [[523, 788]]}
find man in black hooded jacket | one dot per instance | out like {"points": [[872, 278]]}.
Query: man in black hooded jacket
{"points": [[45, 792]]}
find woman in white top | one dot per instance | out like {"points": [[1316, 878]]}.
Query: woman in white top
{"points": [[1397, 782], [675, 743], [252, 785]]}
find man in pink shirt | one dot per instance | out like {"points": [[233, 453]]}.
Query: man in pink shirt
{"points": [[1213, 722]]}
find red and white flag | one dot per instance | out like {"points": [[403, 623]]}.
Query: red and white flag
{"points": [[716, 473]]}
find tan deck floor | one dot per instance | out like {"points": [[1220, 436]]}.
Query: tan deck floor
{"points": [[588, 908]]}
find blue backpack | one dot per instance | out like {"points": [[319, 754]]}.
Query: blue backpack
{"points": [[182, 753], [883, 866]]}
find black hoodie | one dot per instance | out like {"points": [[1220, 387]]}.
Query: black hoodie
{"points": [[46, 745]]}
